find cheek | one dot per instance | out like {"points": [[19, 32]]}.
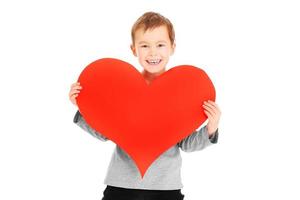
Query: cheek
{"points": [[140, 52], [165, 52]]}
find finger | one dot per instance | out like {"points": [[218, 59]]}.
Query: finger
{"points": [[73, 97], [77, 87], [208, 115], [213, 117], [210, 104], [211, 109], [209, 112], [75, 84], [215, 105], [74, 92]]}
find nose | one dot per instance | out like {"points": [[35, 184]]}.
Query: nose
{"points": [[153, 51]]}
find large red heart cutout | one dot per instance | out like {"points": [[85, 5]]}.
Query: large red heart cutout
{"points": [[144, 120]]}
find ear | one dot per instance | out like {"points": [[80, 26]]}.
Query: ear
{"points": [[173, 48], [133, 50]]}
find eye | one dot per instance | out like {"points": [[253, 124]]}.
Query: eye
{"points": [[144, 46], [161, 45]]}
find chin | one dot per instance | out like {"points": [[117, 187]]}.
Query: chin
{"points": [[154, 71]]}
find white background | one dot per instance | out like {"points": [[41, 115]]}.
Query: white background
{"points": [[250, 49]]}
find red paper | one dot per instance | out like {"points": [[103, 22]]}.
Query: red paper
{"points": [[144, 120]]}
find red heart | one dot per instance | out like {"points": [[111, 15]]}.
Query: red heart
{"points": [[144, 120]]}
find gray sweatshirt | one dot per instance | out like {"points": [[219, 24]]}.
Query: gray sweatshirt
{"points": [[165, 171]]}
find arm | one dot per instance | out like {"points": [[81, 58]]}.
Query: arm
{"points": [[79, 120], [198, 140]]}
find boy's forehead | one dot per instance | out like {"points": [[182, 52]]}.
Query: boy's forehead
{"points": [[156, 34]]}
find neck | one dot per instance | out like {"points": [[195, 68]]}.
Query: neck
{"points": [[149, 77]]}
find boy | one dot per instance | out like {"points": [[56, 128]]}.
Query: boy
{"points": [[152, 43]]}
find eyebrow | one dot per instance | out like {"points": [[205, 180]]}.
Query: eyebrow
{"points": [[161, 41], [142, 42]]}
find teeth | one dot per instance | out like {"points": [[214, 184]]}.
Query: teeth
{"points": [[153, 62]]}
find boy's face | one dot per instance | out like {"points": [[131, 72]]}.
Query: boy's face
{"points": [[153, 49]]}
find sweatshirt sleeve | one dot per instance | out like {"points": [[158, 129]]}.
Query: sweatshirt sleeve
{"points": [[198, 140], [79, 120]]}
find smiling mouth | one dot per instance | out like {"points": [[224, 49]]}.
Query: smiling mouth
{"points": [[153, 62]]}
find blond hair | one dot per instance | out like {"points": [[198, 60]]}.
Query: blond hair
{"points": [[151, 20]]}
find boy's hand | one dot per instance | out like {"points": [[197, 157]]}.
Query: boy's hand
{"points": [[74, 91], [213, 112]]}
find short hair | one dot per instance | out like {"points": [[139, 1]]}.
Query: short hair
{"points": [[151, 20]]}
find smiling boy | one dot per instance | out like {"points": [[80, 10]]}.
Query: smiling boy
{"points": [[153, 42], [153, 48]]}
